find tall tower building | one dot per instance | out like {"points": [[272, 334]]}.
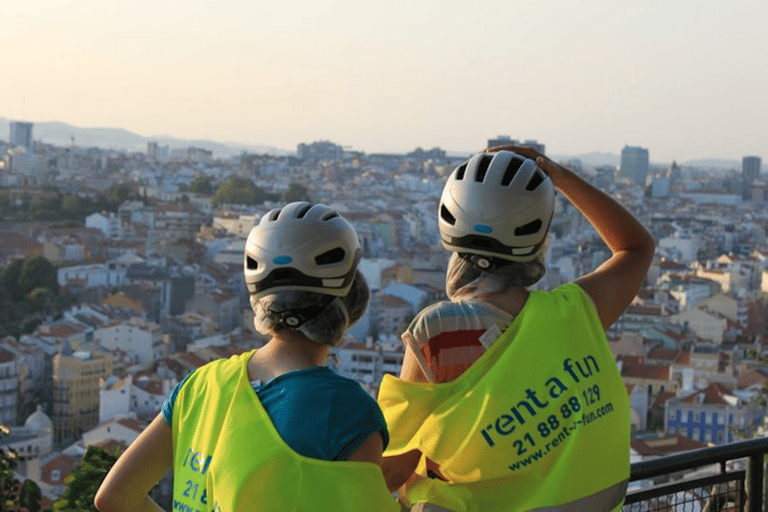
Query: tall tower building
{"points": [[76, 384], [20, 134], [506, 140], [634, 164], [750, 171]]}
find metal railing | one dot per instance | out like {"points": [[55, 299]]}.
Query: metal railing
{"points": [[722, 478]]}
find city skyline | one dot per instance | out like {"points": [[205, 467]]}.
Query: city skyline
{"points": [[685, 80]]}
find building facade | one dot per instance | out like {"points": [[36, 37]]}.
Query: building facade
{"points": [[634, 164], [20, 134], [76, 384]]}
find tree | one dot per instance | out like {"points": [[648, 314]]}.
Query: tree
{"points": [[201, 185], [37, 272], [9, 279], [237, 190], [15, 495], [41, 300], [296, 192], [85, 480]]}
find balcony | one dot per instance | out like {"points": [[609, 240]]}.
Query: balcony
{"points": [[724, 478]]}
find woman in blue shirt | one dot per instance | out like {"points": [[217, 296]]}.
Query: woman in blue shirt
{"points": [[301, 271]]}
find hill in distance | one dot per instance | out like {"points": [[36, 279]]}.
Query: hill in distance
{"points": [[63, 134]]}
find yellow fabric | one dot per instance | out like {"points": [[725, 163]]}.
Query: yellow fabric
{"points": [[228, 456], [541, 419]]}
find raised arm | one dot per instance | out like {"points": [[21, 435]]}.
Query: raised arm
{"points": [[615, 283], [137, 470]]}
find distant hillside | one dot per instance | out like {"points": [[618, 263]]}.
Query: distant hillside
{"points": [[61, 134]]}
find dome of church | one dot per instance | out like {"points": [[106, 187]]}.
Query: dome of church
{"points": [[38, 420]]}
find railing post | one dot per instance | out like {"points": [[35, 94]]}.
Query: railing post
{"points": [[755, 490]]}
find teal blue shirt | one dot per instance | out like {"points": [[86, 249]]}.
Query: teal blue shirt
{"points": [[318, 413]]}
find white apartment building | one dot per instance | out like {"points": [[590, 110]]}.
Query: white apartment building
{"points": [[91, 276], [9, 387], [110, 224], [368, 362], [139, 339]]}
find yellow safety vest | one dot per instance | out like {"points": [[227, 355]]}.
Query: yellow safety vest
{"points": [[228, 457], [539, 422]]}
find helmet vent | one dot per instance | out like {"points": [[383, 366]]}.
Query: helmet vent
{"points": [[329, 216], [529, 229], [536, 180], [251, 263], [301, 213], [460, 171], [482, 168], [333, 256], [275, 214], [446, 215], [512, 168]]}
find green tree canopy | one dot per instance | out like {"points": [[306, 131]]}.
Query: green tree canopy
{"points": [[237, 190], [85, 480], [201, 185], [296, 192], [9, 279], [37, 272]]}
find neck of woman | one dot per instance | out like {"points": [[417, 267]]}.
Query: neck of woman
{"points": [[287, 351], [510, 300]]}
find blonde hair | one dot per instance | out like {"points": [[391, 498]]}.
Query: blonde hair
{"points": [[328, 326], [464, 280]]}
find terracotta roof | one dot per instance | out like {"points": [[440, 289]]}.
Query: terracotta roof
{"points": [[664, 354], [112, 445], [684, 357], [646, 371], [661, 398], [131, 424], [628, 359], [666, 445], [63, 464], [751, 378], [153, 386], [190, 359], [390, 301], [711, 395]]}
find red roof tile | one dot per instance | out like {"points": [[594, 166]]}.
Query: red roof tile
{"points": [[671, 444]]}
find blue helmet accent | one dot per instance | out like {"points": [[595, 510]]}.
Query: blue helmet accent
{"points": [[282, 260], [480, 228]]}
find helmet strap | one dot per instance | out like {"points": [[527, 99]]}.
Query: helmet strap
{"points": [[479, 261], [295, 318]]}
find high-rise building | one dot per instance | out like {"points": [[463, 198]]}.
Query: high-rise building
{"points": [[76, 384], [20, 134], [750, 171], [506, 140], [634, 164]]}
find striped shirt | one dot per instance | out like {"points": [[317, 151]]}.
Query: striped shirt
{"points": [[448, 337]]}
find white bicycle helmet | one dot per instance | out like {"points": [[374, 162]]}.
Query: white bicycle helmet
{"points": [[497, 204], [301, 246]]}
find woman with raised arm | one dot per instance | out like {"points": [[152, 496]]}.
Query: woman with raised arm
{"points": [[274, 428], [510, 399]]}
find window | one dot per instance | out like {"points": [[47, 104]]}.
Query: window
{"points": [[55, 475], [719, 436]]}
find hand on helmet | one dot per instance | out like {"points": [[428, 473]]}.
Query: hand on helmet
{"points": [[553, 169]]}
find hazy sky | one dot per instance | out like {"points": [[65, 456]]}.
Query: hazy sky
{"points": [[686, 79]]}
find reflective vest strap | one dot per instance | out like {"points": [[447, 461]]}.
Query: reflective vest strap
{"points": [[603, 501]]}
